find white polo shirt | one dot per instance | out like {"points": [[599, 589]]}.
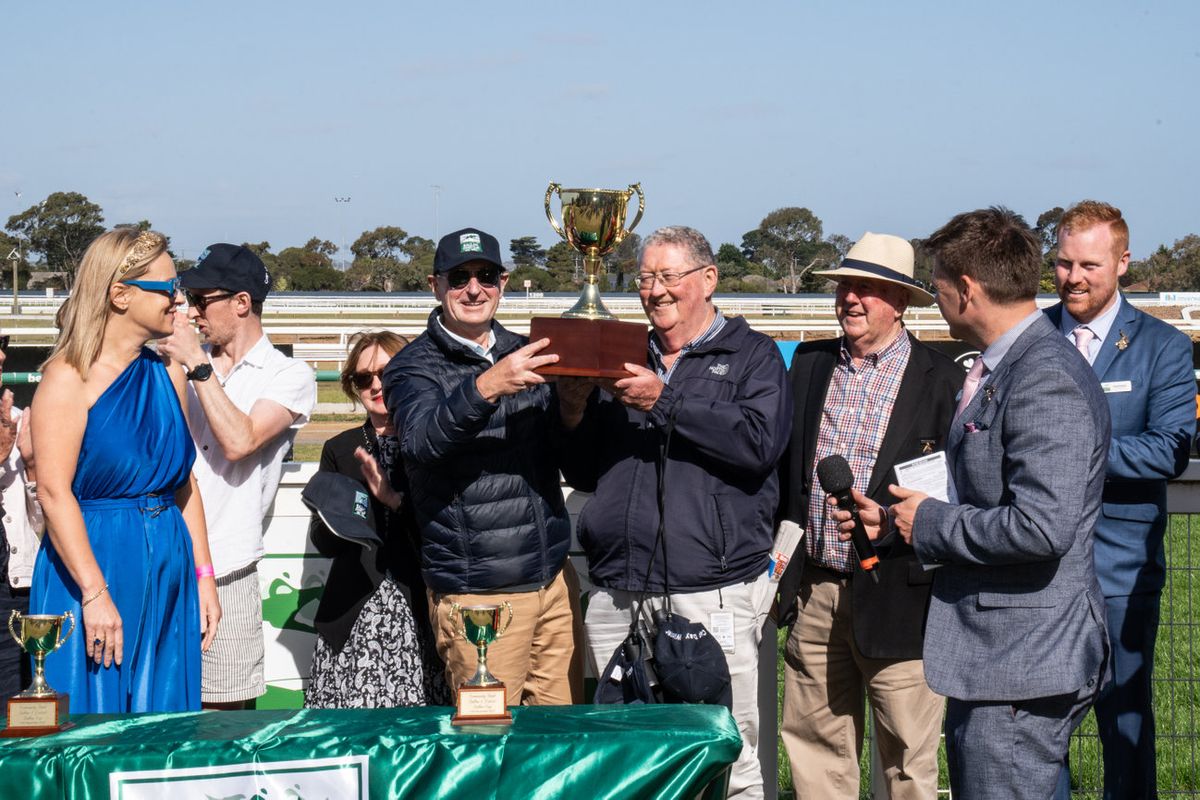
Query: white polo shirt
{"points": [[237, 494]]}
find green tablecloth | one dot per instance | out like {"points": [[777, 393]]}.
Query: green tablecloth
{"points": [[659, 751]]}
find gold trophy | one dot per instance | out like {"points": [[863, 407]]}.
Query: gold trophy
{"points": [[588, 339], [39, 709], [482, 700]]}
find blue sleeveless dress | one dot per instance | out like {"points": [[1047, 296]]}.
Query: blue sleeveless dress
{"points": [[136, 452]]}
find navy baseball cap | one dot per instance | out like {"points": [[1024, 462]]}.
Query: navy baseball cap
{"points": [[344, 505], [463, 247], [230, 267]]}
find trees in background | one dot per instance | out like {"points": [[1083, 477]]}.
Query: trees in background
{"points": [[58, 230], [783, 253]]}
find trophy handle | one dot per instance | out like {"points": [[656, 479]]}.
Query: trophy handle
{"points": [[13, 617], [456, 623], [633, 187], [551, 189], [70, 616], [508, 621]]}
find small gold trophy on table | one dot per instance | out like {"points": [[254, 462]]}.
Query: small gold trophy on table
{"points": [[482, 700], [588, 339], [38, 710]]}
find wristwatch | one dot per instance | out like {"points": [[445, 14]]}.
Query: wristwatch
{"points": [[200, 373]]}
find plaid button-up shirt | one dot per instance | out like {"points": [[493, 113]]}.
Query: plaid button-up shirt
{"points": [[858, 406]]}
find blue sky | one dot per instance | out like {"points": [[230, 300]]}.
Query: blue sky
{"points": [[244, 120]]}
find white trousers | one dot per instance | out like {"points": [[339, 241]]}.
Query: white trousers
{"points": [[606, 624]]}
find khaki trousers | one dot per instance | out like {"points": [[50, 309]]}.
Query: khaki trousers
{"points": [[539, 658], [825, 678]]}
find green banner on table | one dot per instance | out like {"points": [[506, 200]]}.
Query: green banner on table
{"points": [[661, 751]]}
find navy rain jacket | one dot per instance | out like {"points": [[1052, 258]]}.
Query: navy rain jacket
{"points": [[732, 408]]}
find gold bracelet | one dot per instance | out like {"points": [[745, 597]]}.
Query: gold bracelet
{"points": [[93, 597]]}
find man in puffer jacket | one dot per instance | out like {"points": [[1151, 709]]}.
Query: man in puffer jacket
{"points": [[474, 423], [718, 391]]}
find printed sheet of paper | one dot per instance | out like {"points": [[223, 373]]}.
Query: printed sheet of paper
{"points": [[927, 474]]}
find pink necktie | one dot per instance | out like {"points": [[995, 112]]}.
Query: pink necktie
{"points": [[1083, 337], [970, 385]]}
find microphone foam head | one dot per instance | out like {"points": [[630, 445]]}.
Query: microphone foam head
{"points": [[834, 474]]}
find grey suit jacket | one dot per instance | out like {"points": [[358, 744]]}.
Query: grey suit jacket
{"points": [[1016, 611]]}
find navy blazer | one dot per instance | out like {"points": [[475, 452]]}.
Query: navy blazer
{"points": [[1017, 612], [1153, 422]]}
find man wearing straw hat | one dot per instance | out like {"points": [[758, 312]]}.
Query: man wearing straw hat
{"points": [[878, 397]]}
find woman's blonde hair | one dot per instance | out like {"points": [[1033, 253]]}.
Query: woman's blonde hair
{"points": [[120, 254]]}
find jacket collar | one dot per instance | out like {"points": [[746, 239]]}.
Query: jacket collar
{"points": [[506, 340]]}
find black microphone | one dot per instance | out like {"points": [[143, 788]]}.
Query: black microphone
{"points": [[836, 479]]}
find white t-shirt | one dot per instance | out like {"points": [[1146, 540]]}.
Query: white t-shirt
{"points": [[237, 494]]}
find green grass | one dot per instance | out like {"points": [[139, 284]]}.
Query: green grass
{"points": [[1176, 686], [330, 392]]}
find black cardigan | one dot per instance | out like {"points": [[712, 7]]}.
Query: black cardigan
{"points": [[356, 572]]}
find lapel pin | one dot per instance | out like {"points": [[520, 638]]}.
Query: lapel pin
{"points": [[1122, 341], [927, 447]]}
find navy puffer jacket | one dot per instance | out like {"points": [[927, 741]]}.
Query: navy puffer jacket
{"points": [[482, 476]]}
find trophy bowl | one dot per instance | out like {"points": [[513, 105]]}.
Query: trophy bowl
{"points": [[38, 635], [481, 625], [593, 223]]}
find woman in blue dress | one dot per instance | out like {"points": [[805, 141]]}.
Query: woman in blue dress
{"points": [[126, 550]]}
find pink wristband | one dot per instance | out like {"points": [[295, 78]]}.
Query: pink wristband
{"points": [[205, 572]]}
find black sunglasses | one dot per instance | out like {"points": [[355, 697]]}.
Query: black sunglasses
{"points": [[363, 380], [459, 277], [200, 302]]}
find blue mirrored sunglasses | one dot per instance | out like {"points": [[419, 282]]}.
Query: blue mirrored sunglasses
{"points": [[168, 288]]}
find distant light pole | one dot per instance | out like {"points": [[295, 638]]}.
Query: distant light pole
{"points": [[437, 194], [15, 258], [345, 202]]}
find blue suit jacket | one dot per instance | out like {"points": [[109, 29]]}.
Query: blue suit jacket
{"points": [[1016, 611], [1153, 422]]}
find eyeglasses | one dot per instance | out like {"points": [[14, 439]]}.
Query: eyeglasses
{"points": [[363, 380], [200, 302], [667, 279], [169, 288], [488, 277]]}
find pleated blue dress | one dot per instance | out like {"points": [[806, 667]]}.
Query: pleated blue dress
{"points": [[136, 452]]}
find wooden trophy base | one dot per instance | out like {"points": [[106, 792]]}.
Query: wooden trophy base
{"points": [[590, 348], [482, 705], [37, 716]]}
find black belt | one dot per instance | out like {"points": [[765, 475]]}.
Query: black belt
{"points": [[814, 572]]}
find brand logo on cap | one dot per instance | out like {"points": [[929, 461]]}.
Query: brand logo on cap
{"points": [[203, 256], [360, 504], [470, 243]]}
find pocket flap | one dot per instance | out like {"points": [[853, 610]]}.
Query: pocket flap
{"points": [[1015, 600], [1137, 512]]}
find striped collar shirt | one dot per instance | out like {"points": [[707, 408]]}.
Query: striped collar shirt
{"points": [[656, 354], [854, 418]]}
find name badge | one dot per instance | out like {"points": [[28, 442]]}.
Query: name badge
{"points": [[1111, 387]]}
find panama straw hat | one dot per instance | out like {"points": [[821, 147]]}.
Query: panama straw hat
{"points": [[882, 257]]}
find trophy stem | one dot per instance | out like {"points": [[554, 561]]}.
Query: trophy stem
{"points": [[39, 687], [589, 305], [482, 676]]}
